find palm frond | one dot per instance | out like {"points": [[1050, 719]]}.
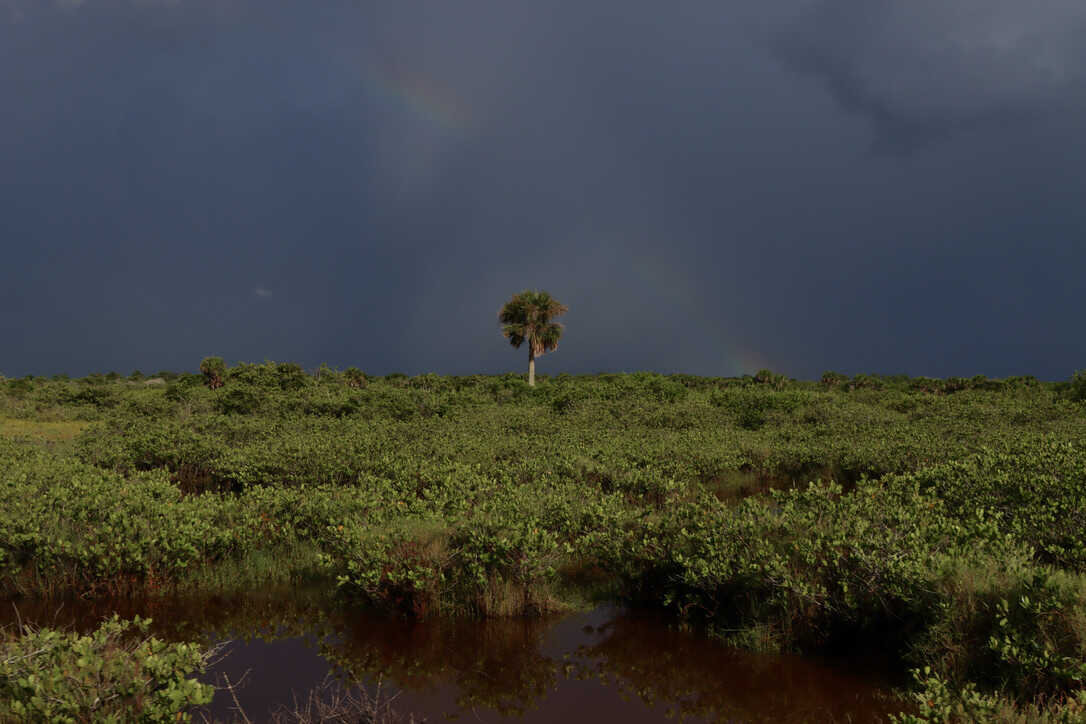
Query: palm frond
{"points": [[515, 333], [526, 317], [548, 336]]}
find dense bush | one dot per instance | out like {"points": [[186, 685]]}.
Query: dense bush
{"points": [[114, 674], [354, 377], [1077, 387], [239, 400], [1036, 493]]}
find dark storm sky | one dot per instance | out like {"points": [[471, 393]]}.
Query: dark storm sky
{"points": [[711, 187]]}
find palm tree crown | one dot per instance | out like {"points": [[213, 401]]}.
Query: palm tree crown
{"points": [[527, 318]]}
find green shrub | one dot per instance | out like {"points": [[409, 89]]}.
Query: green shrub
{"points": [[99, 397], [397, 379], [291, 376], [177, 393], [334, 407], [354, 377], [1036, 490], [666, 390], [865, 381], [751, 406], [21, 386], [114, 674], [1077, 388], [563, 402], [771, 379], [240, 400], [938, 701]]}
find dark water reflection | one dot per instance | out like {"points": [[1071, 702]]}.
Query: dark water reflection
{"points": [[607, 665]]}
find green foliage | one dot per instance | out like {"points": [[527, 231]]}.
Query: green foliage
{"points": [[66, 525], [937, 700], [354, 377], [114, 674], [1030, 649], [563, 402], [664, 389], [21, 386], [751, 406], [1077, 387], [177, 392], [526, 317], [285, 376], [100, 397], [771, 379], [862, 381], [239, 400], [1037, 490], [945, 528]]}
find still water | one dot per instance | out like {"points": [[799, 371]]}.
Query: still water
{"points": [[610, 664]]}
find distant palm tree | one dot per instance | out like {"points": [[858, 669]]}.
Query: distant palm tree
{"points": [[214, 370], [527, 318]]}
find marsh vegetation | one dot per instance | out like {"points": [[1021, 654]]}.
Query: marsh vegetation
{"points": [[940, 524]]}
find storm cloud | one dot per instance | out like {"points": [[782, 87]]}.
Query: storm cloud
{"points": [[926, 69], [711, 188]]}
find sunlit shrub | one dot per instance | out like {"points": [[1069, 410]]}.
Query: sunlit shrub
{"points": [[100, 397], [115, 673]]}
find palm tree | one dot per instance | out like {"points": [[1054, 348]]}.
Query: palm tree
{"points": [[214, 370], [527, 318]]}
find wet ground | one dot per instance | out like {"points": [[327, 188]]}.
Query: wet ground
{"points": [[607, 665]]}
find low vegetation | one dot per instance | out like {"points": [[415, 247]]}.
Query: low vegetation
{"points": [[115, 674], [942, 520]]}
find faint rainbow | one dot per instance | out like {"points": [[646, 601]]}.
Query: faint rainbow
{"points": [[746, 361], [419, 94]]}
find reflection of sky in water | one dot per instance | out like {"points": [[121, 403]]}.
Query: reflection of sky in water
{"points": [[599, 666]]}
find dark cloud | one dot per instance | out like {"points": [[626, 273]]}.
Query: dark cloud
{"points": [[366, 183], [924, 70]]}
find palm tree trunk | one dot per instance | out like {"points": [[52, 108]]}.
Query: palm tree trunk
{"points": [[531, 367]]}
